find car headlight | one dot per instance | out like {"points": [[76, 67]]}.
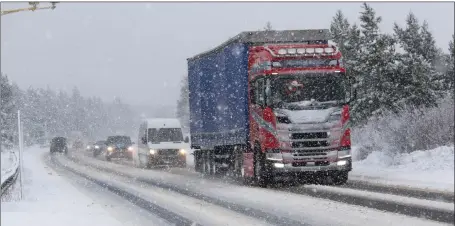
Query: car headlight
{"points": [[96, 146], [152, 152], [110, 148], [130, 148], [88, 147], [182, 151]]}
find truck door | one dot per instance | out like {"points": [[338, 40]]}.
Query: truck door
{"points": [[257, 100]]}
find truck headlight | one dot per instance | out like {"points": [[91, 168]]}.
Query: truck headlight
{"points": [[130, 148], [182, 151], [152, 152], [110, 148]]}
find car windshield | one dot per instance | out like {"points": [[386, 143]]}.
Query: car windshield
{"points": [[59, 140], [119, 140], [165, 135], [302, 88]]}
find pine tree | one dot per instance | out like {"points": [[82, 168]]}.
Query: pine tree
{"points": [[417, 78], [376, 59], [268, 26], [340, 28], [7, 113], [450, 74], [183, 110]]}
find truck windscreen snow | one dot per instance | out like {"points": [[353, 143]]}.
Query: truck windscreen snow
{"points": [[165, 135], [295, 89]]}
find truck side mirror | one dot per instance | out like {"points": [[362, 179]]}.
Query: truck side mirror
{"points": [[144, 140], [187, 140]]}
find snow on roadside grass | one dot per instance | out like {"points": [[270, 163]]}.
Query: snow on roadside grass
{"points": [[50, 200], [425, 169]]}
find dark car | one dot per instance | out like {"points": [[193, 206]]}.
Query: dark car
{"points": [[119, 147], [59, 144], [98, 147]]}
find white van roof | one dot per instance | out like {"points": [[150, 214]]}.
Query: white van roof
{"points": [[163, 123]]}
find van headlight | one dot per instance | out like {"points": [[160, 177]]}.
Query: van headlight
{"points": [[152, 152], [110, 148], [182, 151], [130, 148]]}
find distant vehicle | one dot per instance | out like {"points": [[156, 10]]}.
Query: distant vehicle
{"points": [[78, 144], [90, 146], [119, 147], [59, 144], [98, 147], [161, 143]]}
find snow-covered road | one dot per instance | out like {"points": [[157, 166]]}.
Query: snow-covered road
{"points": [[251, 201], [81, 190], [57, 197]]}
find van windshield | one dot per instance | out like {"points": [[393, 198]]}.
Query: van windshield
{"points": [[165, 135]]}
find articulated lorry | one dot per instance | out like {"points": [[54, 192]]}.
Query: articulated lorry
{"points": [[272, 106]]}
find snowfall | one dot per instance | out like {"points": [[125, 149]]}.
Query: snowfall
{"points": [[50, 198]]}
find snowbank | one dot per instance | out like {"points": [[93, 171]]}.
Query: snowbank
{"points": [[50, 200], [425, 169], [9, 164]]}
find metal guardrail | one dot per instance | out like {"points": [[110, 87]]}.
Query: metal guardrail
{"points": [[11, 178]]}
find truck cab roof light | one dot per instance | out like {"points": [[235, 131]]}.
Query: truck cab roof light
{"points": [[329, 50], [319, 50], [301, 50], [292, 51], [282, 51], [310, 50]]}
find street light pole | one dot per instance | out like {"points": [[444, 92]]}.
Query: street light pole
{"points": [[33, 7]]}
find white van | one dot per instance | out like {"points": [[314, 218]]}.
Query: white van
{"points": [[161, 142]]}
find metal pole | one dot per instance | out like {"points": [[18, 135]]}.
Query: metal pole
{"points": [[19, 125]]}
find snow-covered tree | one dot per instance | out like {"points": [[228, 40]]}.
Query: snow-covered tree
{"points": [[416, 79], [376, 67], [340, 29], [268, 26], [183, 110], [7, 112]]}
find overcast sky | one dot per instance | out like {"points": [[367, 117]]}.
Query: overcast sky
{"points": [[138, 51]]}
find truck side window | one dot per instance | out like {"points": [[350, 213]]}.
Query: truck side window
{"points": [[260, 92]]}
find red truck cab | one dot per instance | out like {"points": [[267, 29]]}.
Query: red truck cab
{"points": [[299, 112]]}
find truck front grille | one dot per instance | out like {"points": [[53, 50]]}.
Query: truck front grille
{"points": [[317, 135]]}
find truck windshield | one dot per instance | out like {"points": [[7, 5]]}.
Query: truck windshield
{"points": [[299, 88], [165, 135]]}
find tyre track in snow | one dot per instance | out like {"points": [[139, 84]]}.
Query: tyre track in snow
{"points": [[251, 212], [405, 208], [351, 184], [136, 200]]}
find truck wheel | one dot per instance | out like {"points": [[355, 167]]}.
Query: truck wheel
{"points": [[340, 178], [260, 170], [108, 158]]}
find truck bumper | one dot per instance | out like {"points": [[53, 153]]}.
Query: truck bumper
{"points": [[284, 171]]}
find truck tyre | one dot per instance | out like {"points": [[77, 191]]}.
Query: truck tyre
{"points": [[261, 176], [108, 158], [341, 178], [212, 169]]}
